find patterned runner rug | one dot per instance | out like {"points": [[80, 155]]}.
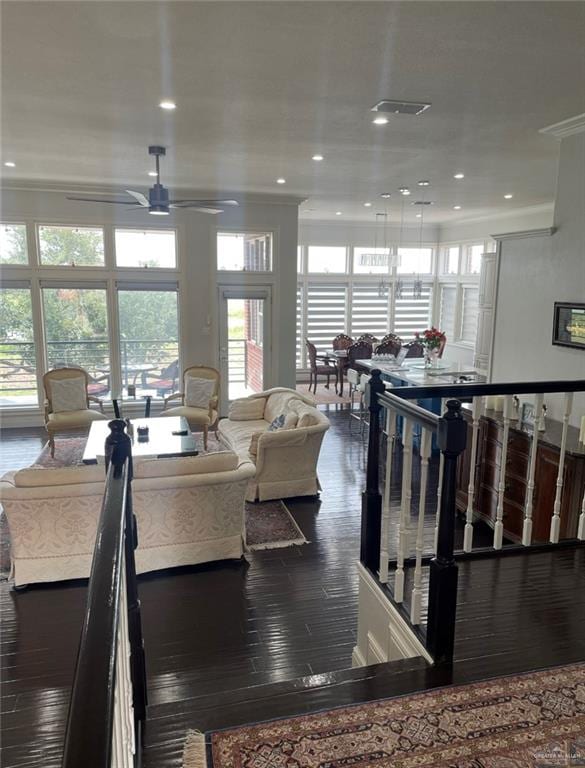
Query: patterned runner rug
{"points": [[535, 720]]}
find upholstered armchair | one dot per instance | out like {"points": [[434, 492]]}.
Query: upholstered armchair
{"points": [[198, 401], [67, 402]]}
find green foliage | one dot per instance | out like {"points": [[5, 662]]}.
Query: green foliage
{"points": [[70, 245], [13, 245]]}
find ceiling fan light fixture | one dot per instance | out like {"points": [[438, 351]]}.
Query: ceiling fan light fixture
{"points": [[158, 210]]}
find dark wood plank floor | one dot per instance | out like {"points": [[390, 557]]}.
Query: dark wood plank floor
{"points": [[219, 636]]}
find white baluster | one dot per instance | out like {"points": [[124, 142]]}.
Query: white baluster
{"points": [[405, 498], [581, 530], [439, 489], [468, 532], [555, 523], [499, 526], [425, 452], [385, 528], [529, 501], [125, 655]]}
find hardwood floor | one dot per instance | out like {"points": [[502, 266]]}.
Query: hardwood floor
{"points": [[218, 637]]}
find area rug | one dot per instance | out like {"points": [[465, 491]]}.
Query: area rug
{"points": [[269, 524], [325, 396], [535, 720]]}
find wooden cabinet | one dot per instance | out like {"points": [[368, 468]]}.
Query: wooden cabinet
{"points": [[487, 472]]}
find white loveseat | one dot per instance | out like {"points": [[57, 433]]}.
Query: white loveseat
{"points": [[188, 510], [285, 459]]}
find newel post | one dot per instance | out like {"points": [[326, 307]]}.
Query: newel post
{"points": [[371, 497], [452, 436]]}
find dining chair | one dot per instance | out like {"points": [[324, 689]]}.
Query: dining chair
{"points": [[198, 400], [341, 341], [320, 365], [415, 349], [67, 402], [389, 346], [373, 340], [359, 350]]}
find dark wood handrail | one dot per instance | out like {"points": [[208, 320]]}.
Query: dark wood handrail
{"points": [[467, 391], [88, 740], [412, 411]]}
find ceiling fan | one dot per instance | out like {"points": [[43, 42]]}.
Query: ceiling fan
{"points": [[158, 202]]}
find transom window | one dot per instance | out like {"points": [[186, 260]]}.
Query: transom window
{"points": [[13, 244], [71, 246], [145, 248], [244, 251], [326, 259]]}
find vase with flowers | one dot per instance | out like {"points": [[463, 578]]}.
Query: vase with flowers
{"points": [[433, 341]]}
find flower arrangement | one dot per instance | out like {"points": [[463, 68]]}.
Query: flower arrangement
{"points": [[432, 338]]}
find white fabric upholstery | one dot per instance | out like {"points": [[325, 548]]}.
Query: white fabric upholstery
{"points": [[198, 392], [286, 459], [195, 416], [219, 461], [68, 394], [247, 409], [182, 519], [61, 422]]}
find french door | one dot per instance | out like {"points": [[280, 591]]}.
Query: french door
{"points": [[244, 341]]}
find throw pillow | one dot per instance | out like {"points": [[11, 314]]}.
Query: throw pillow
{"points": [[247, 409], [277, 423], [307, 416], [290, 420], [198, 392], [68, 394]]}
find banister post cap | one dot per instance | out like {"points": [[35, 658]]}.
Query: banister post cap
{"points": [[452, 433]]}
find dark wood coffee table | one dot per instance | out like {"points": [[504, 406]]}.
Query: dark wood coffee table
{"points": [[161, 442]]}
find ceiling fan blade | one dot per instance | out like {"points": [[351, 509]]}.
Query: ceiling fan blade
{"points": [[196, 207], [139, 197], [102, 200], [206, 203]]}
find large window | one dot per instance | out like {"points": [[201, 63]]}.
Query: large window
{"points": [[412, 312], [145, 248], [469, 314], [244, 252], [325, 313], [13, 248], [18, 381], [71, 246], [76, 332], [149, 341], [325, 259]]}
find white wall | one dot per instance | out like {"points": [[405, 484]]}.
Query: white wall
{"points": [[361, 234], [197, 275], [534, 273], [517, 220]]}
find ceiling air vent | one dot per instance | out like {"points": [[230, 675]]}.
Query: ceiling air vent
{"points": [[400, 107], [422, 202]]}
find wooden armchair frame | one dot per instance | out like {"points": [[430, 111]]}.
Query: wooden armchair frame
{"points": [[201, 372]]}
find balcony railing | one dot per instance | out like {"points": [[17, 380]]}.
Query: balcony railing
{"points": [[144, 364], [237, 361]]}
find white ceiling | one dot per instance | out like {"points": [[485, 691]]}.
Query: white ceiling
{"points": [[262, 86]]}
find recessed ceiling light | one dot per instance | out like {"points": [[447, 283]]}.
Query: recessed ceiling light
{"points": [[386, 195], [508, 196], [166, 104], [419, 215], [459, 175], [380, 120], [317, 158], [456, 207], [423, 183], [367, 205], [281, 181], [10, 164], [338, 213], [404, 191], [152, 173]]}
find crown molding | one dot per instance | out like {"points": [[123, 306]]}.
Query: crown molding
{"points": [[544, 232], [565, 128], [26, 185]]}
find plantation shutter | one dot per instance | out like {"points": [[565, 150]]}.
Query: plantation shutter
{"points": [[469, 314], [369, 311], [412, 314], [447, 314], [326, 315], [300, 339]]}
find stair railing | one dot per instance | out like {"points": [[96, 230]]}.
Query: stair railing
{"points": [[108, 698]]}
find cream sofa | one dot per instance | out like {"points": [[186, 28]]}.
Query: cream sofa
{"points": [[188, 510], [286, 459]]}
